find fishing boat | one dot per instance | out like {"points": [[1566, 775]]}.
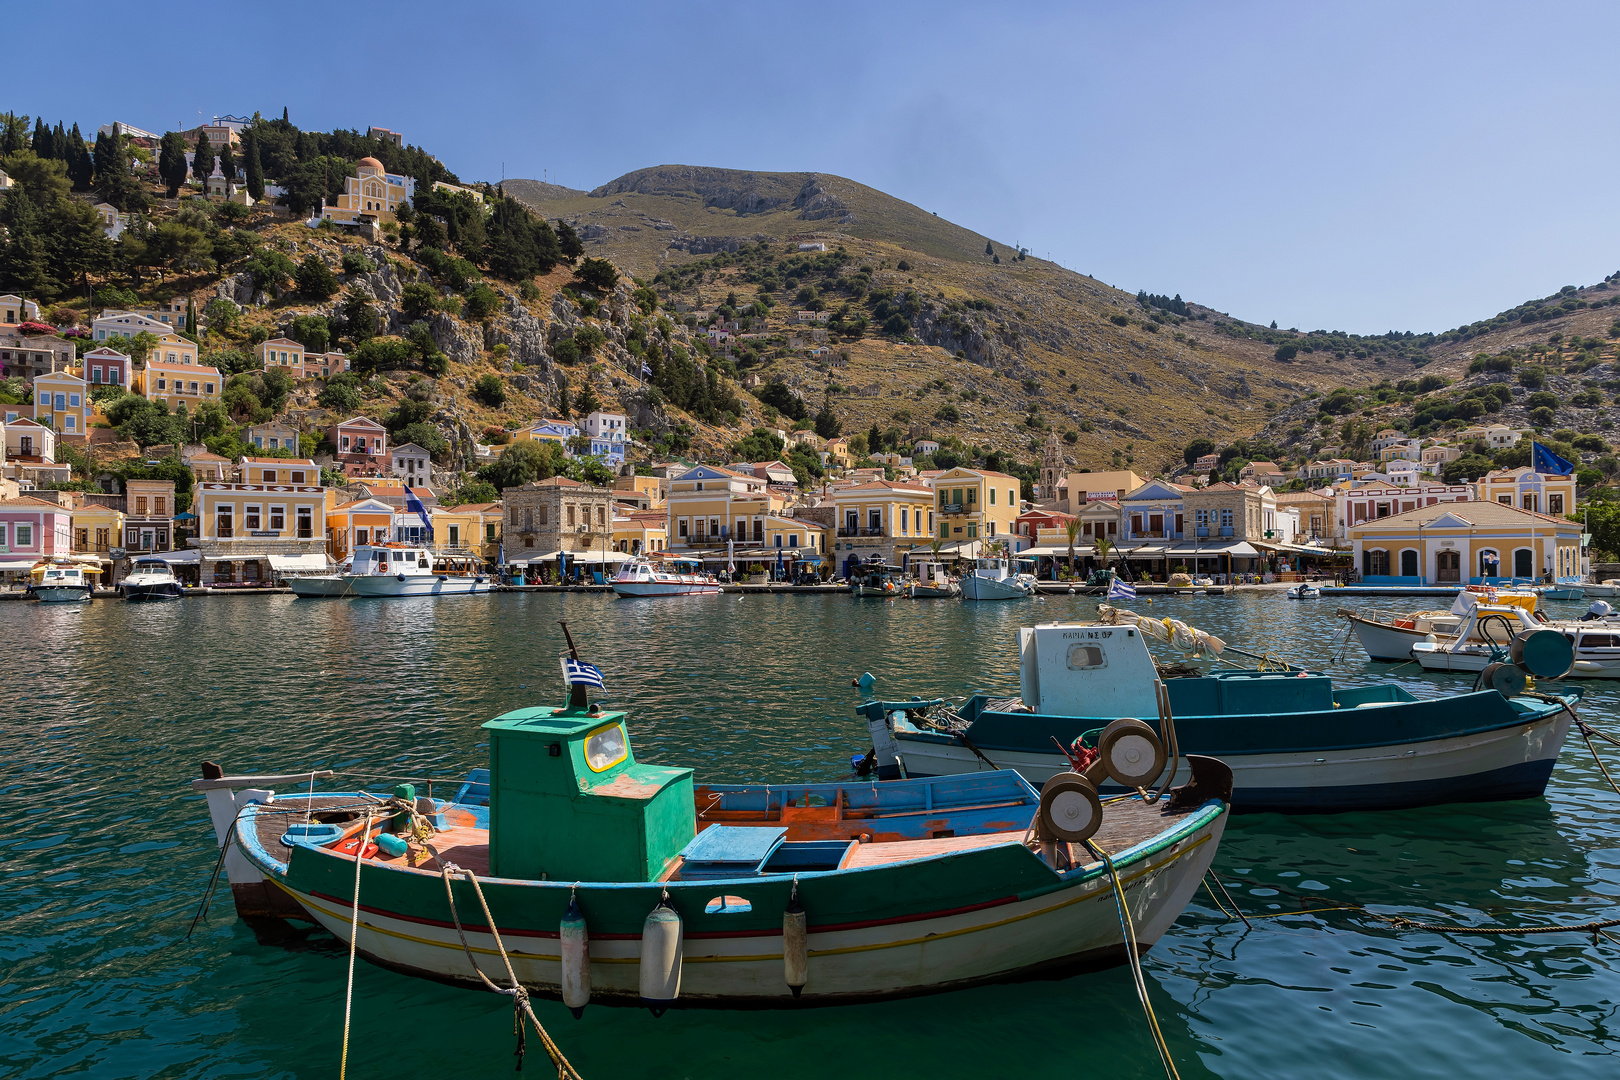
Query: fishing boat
{"points": [[1304, 592], [876, 579], [151, 579], [1606, 587], [605, 877], [1488, 637], [1390, 635], [62, 581], [1563, 592], [397, 570], [931, 581], [995, 578], [676, 577], [1295, 743]]}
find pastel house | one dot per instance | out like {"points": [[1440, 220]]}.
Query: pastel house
{"points": [[62, 403], [32, 528], [105, 366], [284, 353]]}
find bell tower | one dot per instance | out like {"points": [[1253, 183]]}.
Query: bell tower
{"points": [[1051, 468]]}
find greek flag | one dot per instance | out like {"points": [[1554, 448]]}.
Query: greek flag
{"points": [[1120, 589], [414, 505], [578, 673]]}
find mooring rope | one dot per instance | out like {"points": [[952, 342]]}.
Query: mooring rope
{"points": [[354, 936], [1587, 731], [1127, 927]]}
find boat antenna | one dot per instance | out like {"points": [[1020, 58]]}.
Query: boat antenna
{"points": [[576, 691]]}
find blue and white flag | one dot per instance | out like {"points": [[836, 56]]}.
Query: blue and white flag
{"points": [[1544, 460], [414, 505], [1120, 589], [579, 673]]}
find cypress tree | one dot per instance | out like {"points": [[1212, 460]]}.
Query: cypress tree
{"points": [[41, 143], [59, 142], [250, 164], [191, 316], [227, 162], [202, 160], [172, 162], [988, 249], [81, 170]]}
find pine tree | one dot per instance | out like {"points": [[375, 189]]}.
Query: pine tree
{"points": [[988, 249], [202, 160], [13, 133], [114, 181], [251, 167], [41, 143], [81, 170], [227, 162], [172, 162]]}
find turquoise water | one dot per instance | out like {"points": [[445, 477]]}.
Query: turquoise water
{"points": [[109, 710]]}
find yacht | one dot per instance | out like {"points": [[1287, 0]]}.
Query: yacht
{"points": [[151, 579], [679, 577], [397, 570], [62, 582]]}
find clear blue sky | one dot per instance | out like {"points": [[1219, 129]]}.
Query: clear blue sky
{"points": [[1364, 167]]}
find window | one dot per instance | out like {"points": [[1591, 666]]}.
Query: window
{"points": [[489, 532], [1409, 563], [972, 496], [140, 505], [545, 515], [930, 522], [992, 496], [1508, 499], [73, 401], [25, 535], [874, 520], [1524, 563], [570, 517], [681, 528], [258, 440], [1226, 519], [95, 375], [601, 515], [1012, 497], [528, 518], [71, 422], [361, 536], [61, 402], [345, 444], [250, 518], [306, 523], [208, 388], [455, 535], [296, 478], [1375, 563], [222, 523], [905, 521], [973, 532], [278, 518], [1555, 504]]}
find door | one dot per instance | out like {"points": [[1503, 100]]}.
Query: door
{"points": [[1448, 567], [1524, 565]]}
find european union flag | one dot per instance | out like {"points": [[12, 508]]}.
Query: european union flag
{"points": [[1544, 460]]}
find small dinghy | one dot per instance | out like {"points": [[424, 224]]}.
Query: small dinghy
{"points": [[607, 876], [1303, 591]]}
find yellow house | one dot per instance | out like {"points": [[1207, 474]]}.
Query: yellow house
{"points": [[554, 431], [471, 528], [62, 403], [883, 518], [1110, 486], [173, 384], [15, 309], [838, 454], [649, 492], [97, 529], [362, 521], [244, 529], [284, 353], [975, 504], [374, 193], [709, 505], [1466, 543], [173, 349], [1543, 493], [795, 536], [637, 532]]}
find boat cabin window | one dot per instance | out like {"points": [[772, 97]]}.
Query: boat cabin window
{"points": [[1086, 657], [606, 747], [422, 560]]}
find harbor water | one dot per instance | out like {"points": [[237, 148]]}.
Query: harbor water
{"points": [[109, 709]]}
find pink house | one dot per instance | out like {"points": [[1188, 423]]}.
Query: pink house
{"points": [[362, 446], [106, 366], [31, 528]]}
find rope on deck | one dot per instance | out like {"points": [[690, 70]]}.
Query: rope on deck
{"points": [[354, 936], [1127, 927]]}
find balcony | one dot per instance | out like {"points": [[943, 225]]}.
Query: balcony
{"points": [[862, 532], [950, 508]]}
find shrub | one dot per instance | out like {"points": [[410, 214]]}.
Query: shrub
{"points": [[1431, 382], [355, 262], [1286, 353], [1542, 417], [482, 302], [491, 390], [418, 301], [1542, 400], [948, 413], [1119, 320], [1533, 376], [315, 281]]}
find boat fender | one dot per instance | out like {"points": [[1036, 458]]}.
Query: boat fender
{"points": [[1131, 753], [576, 958], [400, 576], [1507, 679], [866, 681], [1070, 809], [661, 942], [1544, 653], [795, 943], [391, 844]]}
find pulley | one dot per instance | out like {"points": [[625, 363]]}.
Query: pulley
{"points": [[1131, 753], [1070, 809], [1507, 679]]}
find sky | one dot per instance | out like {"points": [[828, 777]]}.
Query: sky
{"points": [[1360, 167]]}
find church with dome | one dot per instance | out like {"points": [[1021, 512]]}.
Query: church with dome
{"points": [[370, 197]]}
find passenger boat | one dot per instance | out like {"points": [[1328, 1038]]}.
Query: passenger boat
{"points": [[1294, 742], [876, 579], [151, 579], [398, 570], [994, 578], [1607, 587], [62, 581], [931, 581], [1390, 635], [677, 577], [607, 876]]}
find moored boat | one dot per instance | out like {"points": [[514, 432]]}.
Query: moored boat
{"points": [[1487, 637], [876, 579], [931, 581], [640, 577], [150, 579], [995, 578], [62, 581], [1295, 743], [723, 895], [383, 570], [1390, 635], [1304, 592]]}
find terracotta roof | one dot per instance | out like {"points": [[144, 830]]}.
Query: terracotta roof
{"points": [[1478, 512], [556, 481], [289, 462], [29, 501], [885, 485], [471, 508]]}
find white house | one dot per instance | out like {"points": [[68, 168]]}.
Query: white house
{"points": [[608, 432], [411, 462], [126, 324]]}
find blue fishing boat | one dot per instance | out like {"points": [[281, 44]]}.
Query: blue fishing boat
{"points": [[1294, 741]]}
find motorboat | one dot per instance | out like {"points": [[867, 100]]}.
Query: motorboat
{"points": [[1563, 592], [1303, 591], [931, 581], [995, 578], [640, 577], [777, 895], [62, 581], [320, 585], [1390, 635], [1487, 637], [151, 578], [378, 570], [1294, 741], [876, 579]]}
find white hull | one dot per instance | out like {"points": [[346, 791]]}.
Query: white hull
{"points": [[1266, 778], [665, 588], [1601, 590], [1475, 660], [61, 594], [318, 585], [931, 592], [933, 953], [1384, 642], [424, 585], [983, 588]]}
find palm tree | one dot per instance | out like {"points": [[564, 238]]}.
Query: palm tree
{"points": [[1103, 546], [1072, 530]]}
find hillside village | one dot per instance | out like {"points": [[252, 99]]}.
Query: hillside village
{"points": [[262, 347]]}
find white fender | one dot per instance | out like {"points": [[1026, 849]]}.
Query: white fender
{"points": [[661, 946], [795, 944], [576, 959]]}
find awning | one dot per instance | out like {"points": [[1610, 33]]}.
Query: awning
{"points": [[190, 555], [18, 564], [595, 558], [299, 564], [1237, 548]]}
